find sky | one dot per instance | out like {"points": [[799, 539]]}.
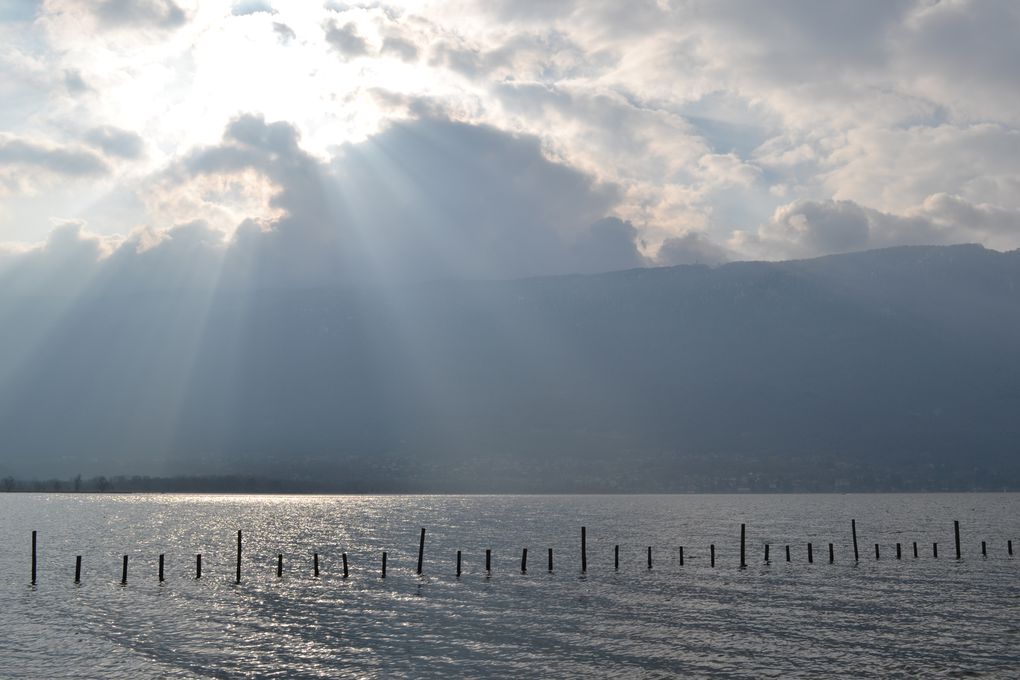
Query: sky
{"points": [[170, 143]]}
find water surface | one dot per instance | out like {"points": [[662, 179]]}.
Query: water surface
{"points": [[883, 618]]}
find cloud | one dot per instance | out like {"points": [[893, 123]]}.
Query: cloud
{"points": [[116, 142], [400, 47], [75, 83], [284, 33], [425, 199], [247, 7], [345, 39], [808, 228], [691, 248], [148, 13], [58, 160]]}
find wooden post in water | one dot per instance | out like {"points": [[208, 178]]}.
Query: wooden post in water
{"points": [[876, 551], [77, 569], [198, 565], [33, 557], [743, 561], [123, 572], [488, 560], [649, 557], [345, 564], [853, 530], [550, 561], [384, 564], [810, 555], [766, 553], [935, 550], [788, 553], [279, 565], [832, 554], [315, 565], [161, 568], [458, 564], [984, 550], [898, 552], [584, 549], [421, 550], [1009, 547], [238, 556], [956, 535], [681, 556], [616, 557], [524, 561], [711, 550], [915, 550]]}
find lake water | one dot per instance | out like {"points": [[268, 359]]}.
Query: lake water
{"points": [[888, 618]]}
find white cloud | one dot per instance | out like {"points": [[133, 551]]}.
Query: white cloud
{"points": [[709, 117]]}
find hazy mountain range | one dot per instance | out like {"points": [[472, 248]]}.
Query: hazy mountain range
{"points": [[896, 368]]}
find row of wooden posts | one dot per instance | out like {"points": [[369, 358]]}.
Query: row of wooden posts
{"points": [[524, 556]]}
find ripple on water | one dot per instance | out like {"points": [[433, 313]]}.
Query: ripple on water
{"points": [[888, 618]]}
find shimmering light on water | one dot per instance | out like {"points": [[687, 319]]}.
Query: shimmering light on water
{"points": [[887, 618]]}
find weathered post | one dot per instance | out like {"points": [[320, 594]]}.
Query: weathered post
{"points": [[956, 535], [77, 569], [345, 564], [899, 554], [198, 565], [681, 556], [123, 572], [384, 564], [458, 564], [1009, 547], [649, 557], [161, 568], [984, 550], [766, 553], [315, 565], [935, 550], [743, 561], [915, 550], [550, 561], [524, 561], [711, 550], [616, 557], [33, 557], [421, 550], [584, 549], [853, 530], [810, 554], [876, 551], [238, 556], [279, 565], [832, 554], [488, 560], [787, 553]]}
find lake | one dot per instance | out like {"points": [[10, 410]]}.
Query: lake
{"points": [[885, 617]]}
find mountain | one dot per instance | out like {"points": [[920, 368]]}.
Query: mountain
{"points": [[888, 369]]}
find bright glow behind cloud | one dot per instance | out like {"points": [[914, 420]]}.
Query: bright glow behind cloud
{"points": [[727, 129]]}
